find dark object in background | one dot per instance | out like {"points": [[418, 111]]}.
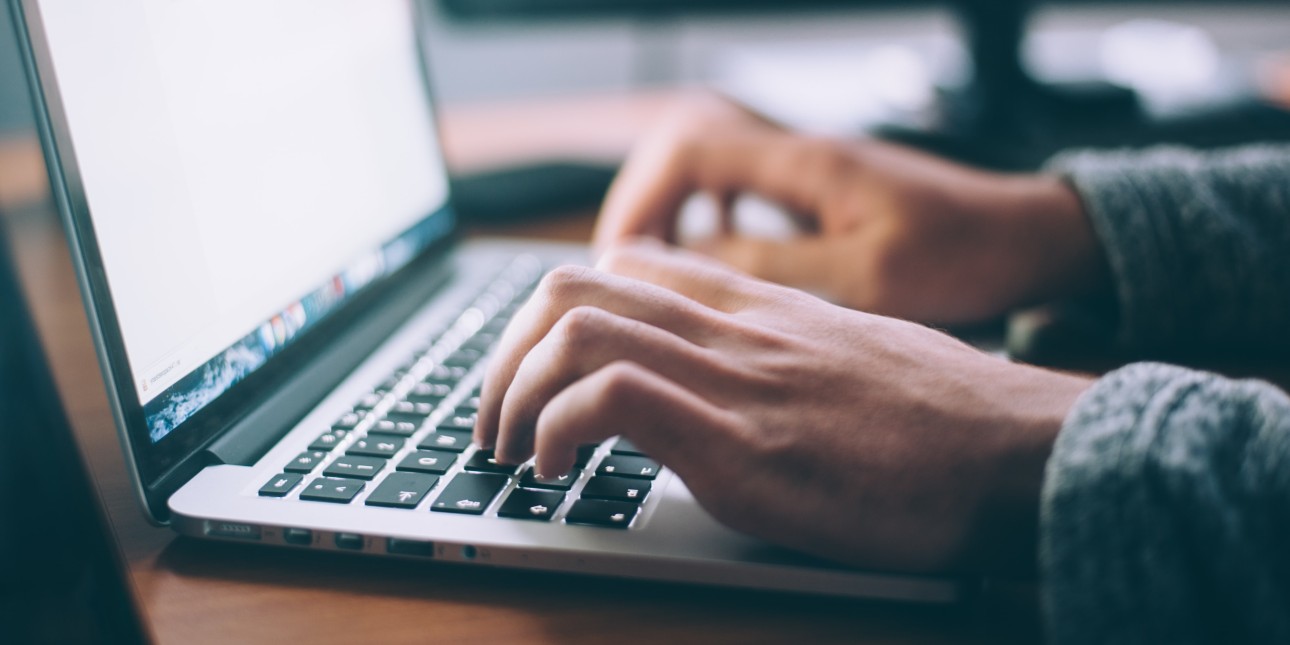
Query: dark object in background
{"points": [[1003, 118], [525, 191], [61, 578]]}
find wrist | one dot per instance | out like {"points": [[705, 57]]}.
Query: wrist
{"points": [[1064, 255], [1037, 403]]}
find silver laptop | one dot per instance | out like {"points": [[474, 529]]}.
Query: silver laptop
{"points": [[292, 335]]}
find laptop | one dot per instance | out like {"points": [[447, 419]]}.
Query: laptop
{"points": [[291, 329], [66, 582]]}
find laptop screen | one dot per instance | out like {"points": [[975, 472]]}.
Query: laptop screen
{"points": [[248, 166]]}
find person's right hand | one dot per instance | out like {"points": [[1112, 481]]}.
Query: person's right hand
{"points": [[886, 229]]}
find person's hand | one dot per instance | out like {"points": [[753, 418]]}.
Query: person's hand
{"points": [[886, 229], [852, 436]]}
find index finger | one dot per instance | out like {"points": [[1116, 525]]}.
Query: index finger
{"points": [[666, 169]]}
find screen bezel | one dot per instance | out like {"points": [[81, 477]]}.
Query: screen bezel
{"points": [[152, 464]]}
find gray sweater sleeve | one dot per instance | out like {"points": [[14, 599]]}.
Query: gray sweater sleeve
{"points": [[1166, 512], [1198, 243]]}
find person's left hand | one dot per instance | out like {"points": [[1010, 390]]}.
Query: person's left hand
{"points": [[852, 436]]}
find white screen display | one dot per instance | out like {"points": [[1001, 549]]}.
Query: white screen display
{"points": [[238, 154]]}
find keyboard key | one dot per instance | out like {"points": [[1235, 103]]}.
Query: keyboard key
{"points": [[469, 493], [410, 410], [280, 485], [464, 357], [481, 342], [531, 505], [601, 513], [355, 467], [393, 381], [395, 427], [453, 440], [483, 462], [369, 401], [471, 404], [433, 462], [454, 422], [622, 466], [305, 461], [562, 482], [466, 412], [347, 421], [376, 445], [337, 491], [402, 490], [625, 447], [585, 452], [328, 440], [445, 375], [619, 489], [431, 393]]}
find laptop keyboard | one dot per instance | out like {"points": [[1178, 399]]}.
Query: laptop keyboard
{"points": [[407, 444]]}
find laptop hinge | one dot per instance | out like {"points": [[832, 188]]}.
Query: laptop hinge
{"points": [[250, 438]]}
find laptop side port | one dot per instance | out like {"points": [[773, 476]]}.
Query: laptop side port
{"points": [[298, 537], [350, 541], [397, 546]]}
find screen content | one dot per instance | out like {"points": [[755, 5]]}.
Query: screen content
{"points": [[248, 165]]}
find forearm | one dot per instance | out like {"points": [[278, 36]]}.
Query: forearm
{"points": [[1165, 512], [1198, 244]]}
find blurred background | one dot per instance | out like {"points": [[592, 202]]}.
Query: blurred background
{"points": [[1001, 83]]}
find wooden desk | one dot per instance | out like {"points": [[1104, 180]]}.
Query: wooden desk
{"points": [[196, 592]]}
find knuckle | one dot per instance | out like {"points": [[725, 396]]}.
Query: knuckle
{"points": [[620, 258], [620, 385], [579, 326], [564, 283]]}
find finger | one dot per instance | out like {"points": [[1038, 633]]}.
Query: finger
{"points": [[695, 276], [667, 421], [810, 262], [564, 289], [647, 195], [587, 339]]}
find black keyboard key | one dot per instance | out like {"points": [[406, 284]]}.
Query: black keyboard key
{"points": [[467, 412], [625, 447], [451, 440], [623, 466], [355, 467], [347, 421], [410, 410], [329, 440], [337, 491], [484, 462], [376, 445], [305, 461], [393, 381], [470, 403], [619, 489], [446, 375], [431, 393], [469, 493], [596, 512], [481, 342], [585, 452], [280, 485], [402, 490], [454, 422], [562, 482], [433, 462], [392, 426], [531, 505], [464, 358], [369, 401]]}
